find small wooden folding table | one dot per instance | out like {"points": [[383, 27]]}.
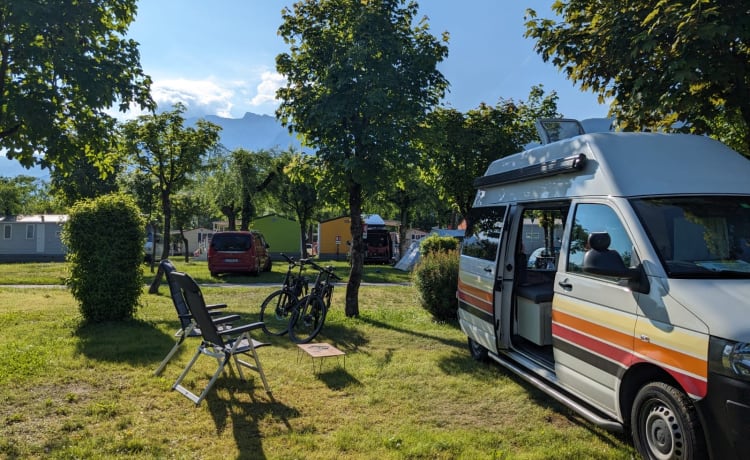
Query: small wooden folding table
{"points": [[321, 351]]}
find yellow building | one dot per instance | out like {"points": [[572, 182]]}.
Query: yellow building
{"points": [[333, 236]]}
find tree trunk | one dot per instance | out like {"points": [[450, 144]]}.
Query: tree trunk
{"points": [[231, 214], [167, 208], [402, 243], [186, 244], [303, 247], [357, 254]]}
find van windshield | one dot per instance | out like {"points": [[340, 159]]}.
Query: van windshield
{"points": [[231, 242], [699, 236]]}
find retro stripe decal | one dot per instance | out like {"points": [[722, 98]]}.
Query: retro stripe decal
{"points": [[475, 297], [613, 350]]}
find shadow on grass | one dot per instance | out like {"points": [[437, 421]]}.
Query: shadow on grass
{"points": [[135, 342], [490, 372], [380, 324], [338, 378], [245, 415]]}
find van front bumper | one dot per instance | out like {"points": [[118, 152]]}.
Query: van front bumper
{"points": [[725, 417]]}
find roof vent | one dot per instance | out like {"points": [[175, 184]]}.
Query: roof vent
{"points": [[557, 129]]}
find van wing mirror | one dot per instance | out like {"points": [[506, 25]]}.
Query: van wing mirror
{"points": [[600, 260]]}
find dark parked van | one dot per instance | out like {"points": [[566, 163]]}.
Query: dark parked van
{"points": [[238, 252]]}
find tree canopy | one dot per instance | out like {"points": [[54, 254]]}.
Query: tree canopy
{"points": [[164, 149], [62, 66], [360, 77], [461, 146], [664, 64]]}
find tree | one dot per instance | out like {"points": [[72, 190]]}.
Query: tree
{"points": [[84, 180], [297, 189], [185, 206], [360, 77], [15, 194], [164, 149], [661, 62], [239, 184], [62, 66], [461, 146]]}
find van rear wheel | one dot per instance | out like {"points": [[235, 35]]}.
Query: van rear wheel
{"points": [[665, 424], [478, 352]]}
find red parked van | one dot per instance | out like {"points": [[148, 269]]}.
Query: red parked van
{"points": [[238, 252]]}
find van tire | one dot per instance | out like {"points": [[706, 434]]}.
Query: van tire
{"points": [[478, 352], [664, 424]]}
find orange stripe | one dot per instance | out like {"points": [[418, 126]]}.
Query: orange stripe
{"points": [[651, 351], [600, 332], [672, 358], [475, 297]]}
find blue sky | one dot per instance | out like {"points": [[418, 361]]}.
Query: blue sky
{"points": [[218, 57]]}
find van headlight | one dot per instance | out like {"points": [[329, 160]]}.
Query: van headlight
{"points": [[728, 358]]}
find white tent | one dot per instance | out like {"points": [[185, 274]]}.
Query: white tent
{"points": [[410, 258]]}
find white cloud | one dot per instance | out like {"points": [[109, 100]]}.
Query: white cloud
{"points": [[213, 96], [270, 82], [201, 97]]}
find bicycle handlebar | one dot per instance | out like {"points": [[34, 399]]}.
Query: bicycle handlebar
{"points": [[328, 269], [295, 262]]}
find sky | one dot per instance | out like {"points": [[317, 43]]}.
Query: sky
{"points": [[218, 57]]}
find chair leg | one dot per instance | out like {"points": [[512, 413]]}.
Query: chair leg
{"points": [[182, 334], [221, 357], [255, 367], [177, 383]]}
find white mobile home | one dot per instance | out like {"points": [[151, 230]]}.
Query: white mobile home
{"points": [[32, 238]]}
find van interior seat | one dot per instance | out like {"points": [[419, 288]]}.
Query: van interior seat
{"points": [[538, 286]]}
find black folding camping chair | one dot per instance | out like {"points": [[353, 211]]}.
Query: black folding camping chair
{"points": [[223, 345], [188, 327]]}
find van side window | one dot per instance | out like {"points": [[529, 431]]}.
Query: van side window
{"points": [[486, 229], [597, 218], [541, 236]]}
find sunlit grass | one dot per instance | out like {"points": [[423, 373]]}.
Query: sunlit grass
{"points": [[407, 389], [54, 273]]}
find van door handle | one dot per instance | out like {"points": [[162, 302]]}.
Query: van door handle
{"points": [[565, 285], [488, 269]]}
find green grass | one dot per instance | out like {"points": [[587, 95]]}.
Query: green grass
{"points": [[54, 273], [407, 390]]}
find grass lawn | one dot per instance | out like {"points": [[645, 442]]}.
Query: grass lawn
{"points": [[44, 273], [407, 389]]}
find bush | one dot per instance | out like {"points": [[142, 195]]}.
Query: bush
{"points": [[104, 237], [436, 278], [434, 243]]}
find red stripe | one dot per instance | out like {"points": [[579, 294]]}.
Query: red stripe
{"points": [[694, 386], [623, 357], [475, 297]]}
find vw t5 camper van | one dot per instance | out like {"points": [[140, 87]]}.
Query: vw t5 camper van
{"points": [[238, 252], [639, 319]]}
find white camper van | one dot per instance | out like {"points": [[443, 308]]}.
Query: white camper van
{"points": [[638, 316]]}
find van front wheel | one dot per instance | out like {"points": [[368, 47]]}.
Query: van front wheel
{"points": [[665, 424]]}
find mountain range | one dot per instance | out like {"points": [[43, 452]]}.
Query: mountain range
{"points": [[251, 132]]}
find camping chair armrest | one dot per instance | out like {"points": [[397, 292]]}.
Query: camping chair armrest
{"points": [[226, 319], [243, 328], [215, 306]]}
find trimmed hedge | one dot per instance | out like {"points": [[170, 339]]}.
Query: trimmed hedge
{"points": [[436, 278], [434, 243], [104, 237]]}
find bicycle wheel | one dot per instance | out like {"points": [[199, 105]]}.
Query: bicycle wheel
{"points": [[307, 319], [275, 312]]}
